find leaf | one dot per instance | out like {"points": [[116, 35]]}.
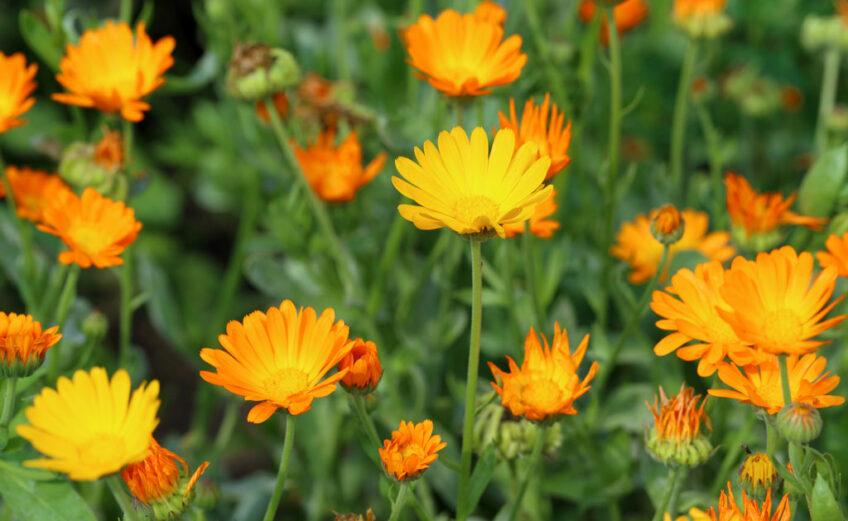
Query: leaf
{"points": [[821, 186], [162, 303], [204, 71], [43, 500], [481, 476], [39, 39], [823, 506]]}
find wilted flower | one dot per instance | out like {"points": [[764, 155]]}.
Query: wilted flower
{"points": [[411, 450], [23, 344], [676, 436], [16, 84], [258, 71]]}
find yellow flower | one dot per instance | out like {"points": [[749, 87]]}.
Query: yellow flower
{"points": [[90, 426], [16, 83], [552, 140], [411, 450], [279, 358], [540, 225], [695, 514], [23, 344], [836, 254], [751, 508], [33, 190], [464, 187], [546, 385], [111, 71], [757, 474]]}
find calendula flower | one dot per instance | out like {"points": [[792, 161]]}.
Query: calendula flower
{"points": [[336, 173], [551, 140], [363, 367], [279, 358], [95, 228], [463, 55], [33, 190], [836, 254], [540, 225], [676, 435], [546, 385], [462, 186], [490, 12], [97, 165], [695, 514], [411, 450], [16, 84], [757, 474], [637, 246], [752, 510], [776, 304], [23, 344], [760, 385], [667, 224], [109, 151], [111, 70], [90, 426], [689, 311], [627, 15]]}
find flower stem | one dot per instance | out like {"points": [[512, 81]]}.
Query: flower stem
{"points": [[795, 454], [399, 225], [8, 410], [541, 433], [364, 419], [714, 156], [471, 383], [116, 485], [126, 308], [830, 79], [288, 442], [784, 381], [458, 111], [541, 42], [678, 128], [126, 11], [399, 502], [530, 273], [69, 291], [666, 505]]}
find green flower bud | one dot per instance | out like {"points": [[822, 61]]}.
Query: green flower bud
{"points": [[799, 422], [676, 437], [257, 71], [99, 166], [95, 325]]}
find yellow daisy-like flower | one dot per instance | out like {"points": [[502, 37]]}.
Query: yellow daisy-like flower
{"points": [[33, 190], [836, 254], [411, 450], [752, 510], [540, 225], [16, 84], [546, 385], [551, 139], [111, 70], [90, 426], [773, 304], [279, 358], [462, 186]]}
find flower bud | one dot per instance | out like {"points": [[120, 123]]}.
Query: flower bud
{"points": [[95, 325], [667, 225], [363, 365], [757, 475], [99, 166], [837, 120], [676, 438], [23, 344], [706, 27], [799, 422], [257, 71]]}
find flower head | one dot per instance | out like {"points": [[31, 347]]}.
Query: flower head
{"points": [[363, 367], [552, 139], [760, 385], [95, 228], [628, 14], [540, 225], [91, 426], [257, 71], [546, 385], [775, 304], [757, 475], [336, 173], [279, 358], [109, 151], [752, 510], [490, 12], [463, 186], [836, 254], [463, 55], [411, 450], [667, 225], [676, 435], [23, 344], [33, 190], [16, 84], [111, 70], [799, 422], [636, 245]]}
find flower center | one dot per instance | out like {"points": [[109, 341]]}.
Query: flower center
{"points": [[782, 329], [285, 383], [478, 211], [88, 237], [102, 450], [542, 395]]}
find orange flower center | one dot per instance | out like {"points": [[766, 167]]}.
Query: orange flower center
{"points": [[286, 382], [88, 237], [102, 450], [543, 395], [412, 449], [781, 328], [478, 210]]}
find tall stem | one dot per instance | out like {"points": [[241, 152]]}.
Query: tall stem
{"points": [[399, 502], [69, 291], [364, 419], [665, 505], [471, 382], [340, 19], [288, 442], [554, 79], [116, 485], [678, 128], [530, 273], [541, 433], [830, 79], [784, 381], [126, 308], [399, 225], [126, 11], [714, 156], [457, 105], [8, 409]]}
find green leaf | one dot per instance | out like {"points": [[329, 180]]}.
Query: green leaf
{"points": [[161, 303], [481, 476], [823, 506], [821, 186], [43, 500], [39, 39]]}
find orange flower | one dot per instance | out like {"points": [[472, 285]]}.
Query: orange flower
{"points": [[109, 151], [363, 367], [547, 384], [16, 83], [836, 254], [627, 14], [729, 511], [490, 12], [23, 344], [336, 173], [95, 228], [279, 358], [281, 105], [761, 213], [539, 224], [463, 55], [111, 71], [552, 141], [157, 476], [679, 418], [685, 9], [760, 385], [33, 190], [773, 305], [637, 246], [689, 310], [411, 450]]}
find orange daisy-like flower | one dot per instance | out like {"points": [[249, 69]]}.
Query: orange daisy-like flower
{"points": [[95, 228], [157, 477], [728, 510], [637, 246], [758, 213], [689, 310], [33, 190], [760, 385], [411, 450], [540, 225], [16, 84], [336, 173], [279, 358], [679, 418], [490, 12], [552, 140], [547, 384], [627, 14], [363, 367], [773, 305], [111, 70], [685, 9], [836, 254], [463, 55], [23, 344]]}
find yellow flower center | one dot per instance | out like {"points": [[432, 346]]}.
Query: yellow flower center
{"points": [[103, 450], [412, 449], [477, 210], [543, 395], [758, 470], [89, 237], [286, 382], [781, 329]]}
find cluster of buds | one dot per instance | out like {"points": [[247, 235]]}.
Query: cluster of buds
{"points": [[257, 71], [667, 225], [513, 437], [822, 32], [676, 437], [97, 165]]}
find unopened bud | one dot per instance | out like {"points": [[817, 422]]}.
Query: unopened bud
{"points": [[95, 325], [757, 475], [799, 422], [257, 71], [667, 225], [99, 166]]}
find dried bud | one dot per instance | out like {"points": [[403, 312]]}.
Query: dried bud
{"points": [[757, 475], [667, 225], [363, 365], [257, 71], [799, 422]]}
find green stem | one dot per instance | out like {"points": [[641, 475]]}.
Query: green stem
{"points": [[126, 308], [126, 11], [390, 250], [541, 41], [288, 442], [830, 80], [471, 383], [457, 105], [784, 381], [795, 455], [340, 19], [54, 286], [127, 135], [678, 128], [365, 419], [116, 485], [8, 409], [541, 433], [674, 474], [399, 502], [420, 511], [415, 9], [530, 273], [714, 156], [225, 431], [66, 299]]}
